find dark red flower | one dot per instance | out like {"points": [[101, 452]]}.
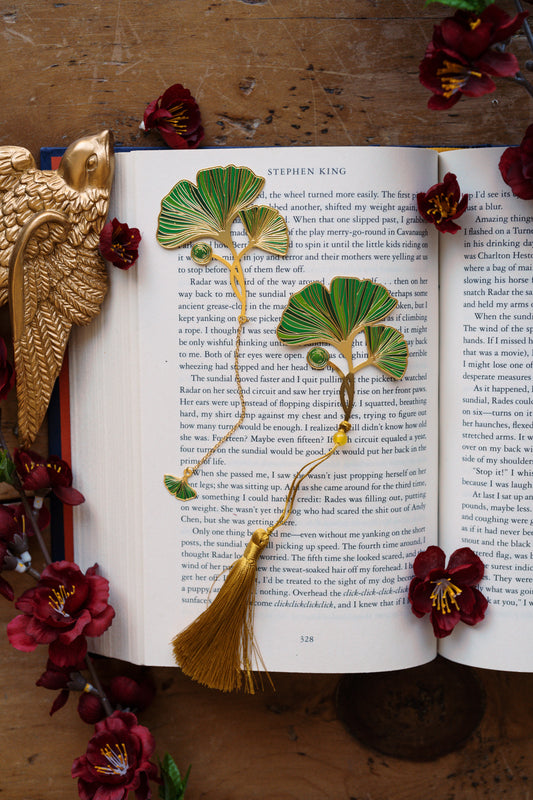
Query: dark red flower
{"points": [[175, 114], [131, 694], [117, 760], [14, 521], [64, 608], [470, 35], [40, 475], [90, 708], [449, 78], [516, 166], [7, 373], [461, 56], [119, 244], [63, 678], [448, 594], [125, 694], [442, 203]]}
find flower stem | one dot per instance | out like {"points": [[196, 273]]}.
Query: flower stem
{"points": [[95, 680], [34, 574], [525, 24], [519, 78], [25, 503]]}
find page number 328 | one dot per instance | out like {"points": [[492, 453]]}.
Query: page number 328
{"points": [[306, 638]]}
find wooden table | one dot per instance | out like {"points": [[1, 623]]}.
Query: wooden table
{"points": [[265, 72]]}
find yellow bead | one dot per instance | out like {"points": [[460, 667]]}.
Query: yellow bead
{"points": [[340, 437]]}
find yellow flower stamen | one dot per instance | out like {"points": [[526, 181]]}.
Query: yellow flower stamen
{"points": [[442, 207], [117, 759], [58, 598], [451, 84], [443, 594], [474, 23], [179, 118]]}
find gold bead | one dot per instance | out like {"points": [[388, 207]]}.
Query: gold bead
{"points": [[340, 437]]}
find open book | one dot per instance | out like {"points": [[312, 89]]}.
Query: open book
{"points": [[443, 456]]}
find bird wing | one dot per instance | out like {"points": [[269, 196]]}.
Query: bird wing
{"points": [[55, 281], [14, 161]]}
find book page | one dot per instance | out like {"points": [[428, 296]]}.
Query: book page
{"points": [[332, 584], [487, 407]]}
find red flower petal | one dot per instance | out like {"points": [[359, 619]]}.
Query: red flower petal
{"points": [[60, 701], [420, 598], [465, 567], [440, 103], [443, 624], [432, 558], [90, 708], [454, 36], [69, 495], [99, 624], [504, 65], [66, 655], [516, 166], [41, 630], [8, 523], [477, 613], [17, 635], [126, 692]]}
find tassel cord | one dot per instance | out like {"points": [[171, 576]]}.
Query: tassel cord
{"points": [[300, 476]]}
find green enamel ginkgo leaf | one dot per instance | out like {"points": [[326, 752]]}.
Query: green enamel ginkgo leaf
{"points": [[316, 314], [179, 487], [387, 350], [266, 229], [190, 211]]}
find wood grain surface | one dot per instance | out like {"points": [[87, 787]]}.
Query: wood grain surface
{"points": [[265, 72]]}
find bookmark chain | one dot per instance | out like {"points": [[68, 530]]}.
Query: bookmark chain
{"points": [[190, 470]]}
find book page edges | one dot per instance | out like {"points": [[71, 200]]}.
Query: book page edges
{"points": [[104, 380]]}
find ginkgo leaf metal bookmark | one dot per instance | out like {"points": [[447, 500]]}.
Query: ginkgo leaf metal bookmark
{"points": [[218, 649], [207, 209]]}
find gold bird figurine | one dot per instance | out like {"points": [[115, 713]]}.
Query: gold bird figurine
{"points": [[51, 270]]}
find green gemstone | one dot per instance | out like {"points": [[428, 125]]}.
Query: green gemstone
{"points": [[201, 253], [317, 357]]}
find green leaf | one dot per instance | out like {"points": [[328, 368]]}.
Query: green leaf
{"points": [[475, 6], [266, 229], [7, 467], [387, 349], [173, 786], [190, 211], [179, 487], [316, 314]]}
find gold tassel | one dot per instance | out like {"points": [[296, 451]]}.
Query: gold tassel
{"points": [[217, 649]]}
